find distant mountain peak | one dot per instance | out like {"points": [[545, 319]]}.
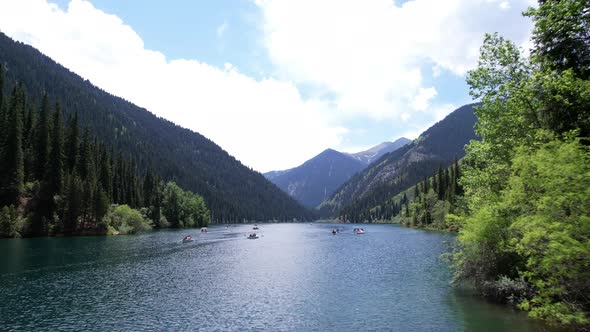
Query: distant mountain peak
{"points": [[372, 154], [313, 181]]}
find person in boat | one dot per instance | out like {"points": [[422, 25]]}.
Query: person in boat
{"points": [[334, 231]]}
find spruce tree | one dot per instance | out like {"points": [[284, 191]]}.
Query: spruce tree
{"points": [[73, 144], [13, 171], [54, 175], [42, 139]]}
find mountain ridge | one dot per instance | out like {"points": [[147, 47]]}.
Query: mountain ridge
{"points": [[313, 181], [394, 172], [231, 190]]}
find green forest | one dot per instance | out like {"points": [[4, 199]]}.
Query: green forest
{"points": [[59, 180], [525, 232], [520, 198], [232, 191]]}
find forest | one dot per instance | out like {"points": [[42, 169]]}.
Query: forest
{"points": [[56, 179], [520, 198], [232, 191], [525, 232]]}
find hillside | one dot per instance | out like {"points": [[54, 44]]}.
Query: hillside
{"points": [[232, 191], [314, 180], [394, 172]]}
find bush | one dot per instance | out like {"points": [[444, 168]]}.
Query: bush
{"points": [[126, 220]]}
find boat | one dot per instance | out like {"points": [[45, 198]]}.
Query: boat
{"points": [[334, 232], [203, 229], [187, 239], [253, 236], [255, 227], [359, 231]]}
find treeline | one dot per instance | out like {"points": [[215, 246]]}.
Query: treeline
{"points": [[525, 236], [430, 203], [377, 204], [435, 201], [55, 179]]}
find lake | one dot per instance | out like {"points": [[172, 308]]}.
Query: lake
{"points": [[295, 277]]}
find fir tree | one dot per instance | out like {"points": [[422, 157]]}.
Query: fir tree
{"points": [[73, 144], [42, 139], [12, 181]]}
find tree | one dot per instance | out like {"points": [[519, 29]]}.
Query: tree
{"points": [[12, 158], [562, 35], [525, 234], [73, 144], [42, 139], [54, 175]]}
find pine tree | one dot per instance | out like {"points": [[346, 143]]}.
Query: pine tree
{"points": [[28, 148], [13, 171], [441, 184], [85, 164], [105, 173], [73, 144], [54, 175], [42, 139]]}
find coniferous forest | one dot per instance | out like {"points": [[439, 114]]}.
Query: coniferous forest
{"points": [[59, 180], [232, 192]]}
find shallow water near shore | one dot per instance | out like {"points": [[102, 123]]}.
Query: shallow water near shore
{"points": [[295, 277]]}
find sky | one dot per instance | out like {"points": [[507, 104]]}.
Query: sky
{"points": [[275, 82]]}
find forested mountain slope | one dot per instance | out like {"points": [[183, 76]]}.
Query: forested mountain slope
{"points": [[437, 147], [314, 180], [232, 191]]}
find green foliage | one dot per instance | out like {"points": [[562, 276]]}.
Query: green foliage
{"points": [[551, 226], [126, 220], [184, 209], [526, 233], [562, 35], [10, 222]]}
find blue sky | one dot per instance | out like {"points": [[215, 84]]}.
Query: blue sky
{"points": [[275, 82]]}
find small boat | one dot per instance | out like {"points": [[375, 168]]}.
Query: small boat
{"points": [[187, 239], [255, 227], [359, 231], [334, 232], [203, 229], [253, 236]]}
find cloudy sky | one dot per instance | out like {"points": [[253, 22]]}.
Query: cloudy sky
{"points": [[275, 82]]}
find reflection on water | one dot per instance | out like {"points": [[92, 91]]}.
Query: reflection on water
{"points": [[295, 277]]}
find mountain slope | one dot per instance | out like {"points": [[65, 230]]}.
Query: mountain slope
{"points": [[398, 170], [374, 153], [232, 191], [314, 180]]}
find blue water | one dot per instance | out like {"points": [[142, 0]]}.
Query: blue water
{"points": [[295, 277]]}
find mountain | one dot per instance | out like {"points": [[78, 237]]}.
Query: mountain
{"points": [[396, 171], [314, 180], [374, 153], [232, 191]]}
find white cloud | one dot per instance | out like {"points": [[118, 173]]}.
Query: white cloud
{"points": [[370, 53], [264, 123], [368, 56], [422, 99]]}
